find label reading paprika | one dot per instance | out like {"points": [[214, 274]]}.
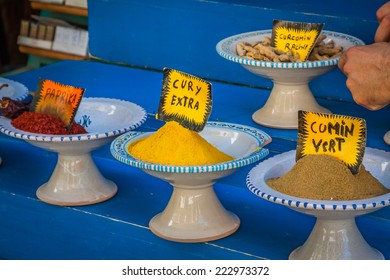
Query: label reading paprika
{"points": [[299, 37], [57, 99], [185, 99], [343, 137]]}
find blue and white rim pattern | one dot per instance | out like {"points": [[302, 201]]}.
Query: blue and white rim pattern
{"points": [[256, 185], [226, 49], [139, 113], [118, 150], [21, 91]]}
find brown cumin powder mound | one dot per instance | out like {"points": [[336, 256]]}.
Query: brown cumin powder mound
{"points": [[324, 177]]}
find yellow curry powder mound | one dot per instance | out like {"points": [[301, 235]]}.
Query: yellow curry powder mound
{"points": [[324, 177], [174, 144]]}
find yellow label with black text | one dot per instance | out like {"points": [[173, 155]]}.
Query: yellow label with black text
{"points": [[57, 99], [343, 137], [185, 99], [299, 37]]}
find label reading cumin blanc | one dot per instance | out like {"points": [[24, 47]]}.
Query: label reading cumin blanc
{"points": [[343, 137], [185, 99], [299, 37], [57, 99]]}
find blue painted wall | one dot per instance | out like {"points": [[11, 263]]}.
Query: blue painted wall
{"points": [[183, 34]]}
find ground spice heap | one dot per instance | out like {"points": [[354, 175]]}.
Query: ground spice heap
{"points": [[323, 177], [173, 144], [35, 122]]}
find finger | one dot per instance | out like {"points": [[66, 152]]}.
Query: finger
{"points": [[383, 32], [342, 61], [383, 11]]}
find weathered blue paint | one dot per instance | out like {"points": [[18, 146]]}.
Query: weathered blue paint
{"points": [[182, 34]]}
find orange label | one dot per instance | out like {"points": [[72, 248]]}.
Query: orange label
{"points": [[185, 99], [340, 136], [299, 37], [58, 99]]}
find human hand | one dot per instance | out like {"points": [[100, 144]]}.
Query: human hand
{"points": [[383, 31], [368, 70]]}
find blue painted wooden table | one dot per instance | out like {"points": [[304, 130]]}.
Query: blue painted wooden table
{"points": [[136, 40]]}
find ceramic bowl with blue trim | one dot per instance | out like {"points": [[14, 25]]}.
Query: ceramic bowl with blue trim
{"points": [[103, 119], [194, 212], [244, 143], [227, 49], [375, 161], [290, 91], [12, 89], [335, 235]]}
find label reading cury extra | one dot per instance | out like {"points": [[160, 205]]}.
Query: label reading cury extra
{"points": [[57, 99], [343, 137], [299, 37], [185, 99]]}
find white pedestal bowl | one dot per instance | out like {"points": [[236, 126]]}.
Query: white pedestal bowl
{"points": [[290, 92], [76, 180], [335, 235], [194, 212], [14, 90]]}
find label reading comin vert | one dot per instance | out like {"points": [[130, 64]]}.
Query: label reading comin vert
{"points": [[185, 99], [57, 99], [299, 37], [343, 137]]}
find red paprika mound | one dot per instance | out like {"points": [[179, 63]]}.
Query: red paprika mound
{"points": [[44, 124]]}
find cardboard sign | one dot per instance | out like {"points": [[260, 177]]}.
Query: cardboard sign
{"points": [[185, 99], [299, 37], [57, 99], [340, 136]]}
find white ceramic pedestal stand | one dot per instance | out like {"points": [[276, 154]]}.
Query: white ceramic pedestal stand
{"points": [[290, 92], [283, 104], [194, 212], [335, 235], [76, 181]]}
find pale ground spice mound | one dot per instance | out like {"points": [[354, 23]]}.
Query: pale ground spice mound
{"points": [[323, 177]]}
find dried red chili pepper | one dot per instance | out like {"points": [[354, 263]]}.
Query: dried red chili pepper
{"points": [[12, 108]]}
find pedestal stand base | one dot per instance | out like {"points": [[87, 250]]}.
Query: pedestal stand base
{"points": [[194, 215], [76, 181], [283, 104], [333, 239]]}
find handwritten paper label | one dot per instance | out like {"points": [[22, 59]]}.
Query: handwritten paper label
{"points": [[343, 137], [185, 99], [299, 37], [57, 99]]}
